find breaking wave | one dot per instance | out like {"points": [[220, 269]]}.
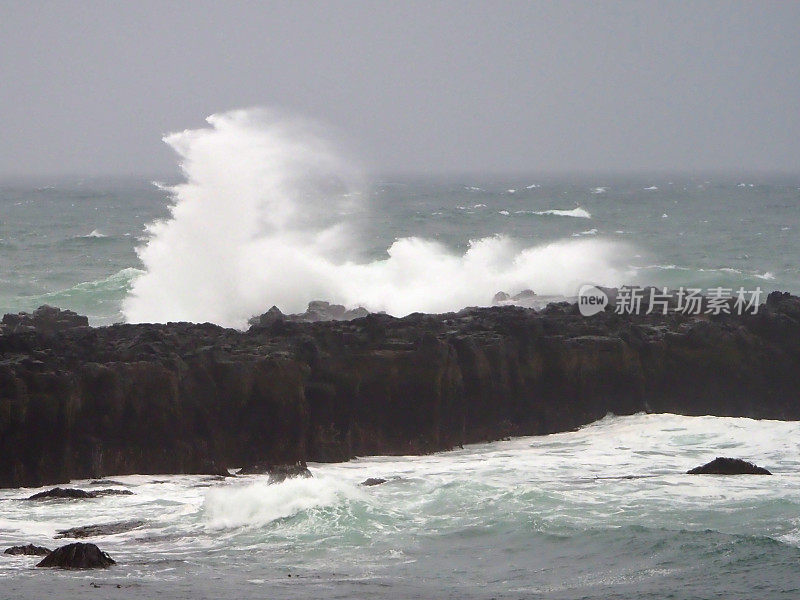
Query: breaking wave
{"points": [[257, 222]]}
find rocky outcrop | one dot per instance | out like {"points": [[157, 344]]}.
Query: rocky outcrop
{"points": [[72, 494], [62, 493], [45, 320], [277, 473], [94, 530], [77, 556], [27, 550], [371, 481], [729, 466], [87, 402]]}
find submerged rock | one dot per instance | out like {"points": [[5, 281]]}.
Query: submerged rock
{"points": [[373, 481], [95, 530], [112, 492], [729, 466], [58, 492], [72, 493], [78, 556], [278, 473], [28, 550]]}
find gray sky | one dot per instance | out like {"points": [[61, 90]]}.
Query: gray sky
{"points": [[90, 87]]}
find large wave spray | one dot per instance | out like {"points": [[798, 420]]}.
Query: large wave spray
{"points": [[259, 222]]}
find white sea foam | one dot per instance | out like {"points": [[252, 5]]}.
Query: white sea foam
{"points": [[587, 232], [580, 213], [253, 226], [260, 503], [95, 233]]}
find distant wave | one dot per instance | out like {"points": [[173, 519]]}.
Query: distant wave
{"points": [[94, 234], [580, 213], [112, 287]]}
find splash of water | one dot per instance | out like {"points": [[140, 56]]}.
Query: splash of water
{"points": [[256, 224]]}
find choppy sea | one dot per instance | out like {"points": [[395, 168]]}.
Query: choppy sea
{"points": [[602, 512]]}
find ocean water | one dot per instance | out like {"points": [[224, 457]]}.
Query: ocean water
{"points": [[408, 244], [602, 512]]}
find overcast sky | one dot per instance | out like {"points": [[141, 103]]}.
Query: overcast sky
{"points": [[427, 86]]}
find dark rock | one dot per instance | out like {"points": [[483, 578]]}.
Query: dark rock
{"points": [[373, 481], [28, 550], [524, 295], [192, 398], [77, 556], [500, 297], [112, 492], [95, 530], [729, 466], [58, 492], [45, 319], [277, 473], [268, 318]]}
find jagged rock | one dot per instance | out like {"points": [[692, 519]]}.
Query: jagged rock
{"points": [[28, 550], [500, 297], [58, 492], [524, 295], [729, 466], [71, 493], [78, 556], [45, 319], [268, 318], [277, 473], [95, 530], [112, 492], [373, 481]]}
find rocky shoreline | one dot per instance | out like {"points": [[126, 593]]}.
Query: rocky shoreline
{"points": [[80, 402]]}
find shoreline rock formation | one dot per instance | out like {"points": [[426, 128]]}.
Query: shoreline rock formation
{"points": [[80, 402]]}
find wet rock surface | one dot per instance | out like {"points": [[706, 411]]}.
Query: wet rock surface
{"points": [[62, 493], [27, 550], [373, 481], [77, 556], [277, 473], [85, 403], [95, 530], [73, 494], [729, 466]]}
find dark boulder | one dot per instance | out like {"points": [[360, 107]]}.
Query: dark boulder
{"points": [[277, 473], [112, 492], [78, 556], [95, 530], [28, 550], [58, 492], [373, 481], [729, 466], [45, 319]]}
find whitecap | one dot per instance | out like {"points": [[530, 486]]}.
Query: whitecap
{"points": [[580, 213], [651, 188]]}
